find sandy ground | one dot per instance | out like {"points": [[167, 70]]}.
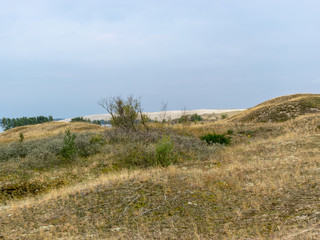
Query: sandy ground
{"points": [[161, 115]]}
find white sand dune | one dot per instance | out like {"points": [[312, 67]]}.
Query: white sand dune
{"points": [[160, 115]]}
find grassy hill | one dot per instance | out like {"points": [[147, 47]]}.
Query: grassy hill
{"points": [[281, 109], [47, 129], [262, 186]]}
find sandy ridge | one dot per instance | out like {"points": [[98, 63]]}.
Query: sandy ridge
{"points": [[168, 114]]}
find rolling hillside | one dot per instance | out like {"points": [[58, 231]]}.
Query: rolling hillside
{"points": [[264, 185], [281, 109], [46, 130]]}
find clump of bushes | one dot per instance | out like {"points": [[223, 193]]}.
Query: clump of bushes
{"points": [[82, 145], [88, 144], [125, 113], [224, 116], [81, 119], [216, 138], [185, 119], [66, 146], [195, 118], [161, 152], [134, 155], [153, 148]]}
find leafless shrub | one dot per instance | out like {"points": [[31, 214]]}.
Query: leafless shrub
{"points": [[125, 113]]}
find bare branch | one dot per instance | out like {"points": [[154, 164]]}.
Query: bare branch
{"points": [[124, 113]]}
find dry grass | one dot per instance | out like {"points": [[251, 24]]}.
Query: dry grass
{"points": [[47, 130], [264, 186], [281, 109]]}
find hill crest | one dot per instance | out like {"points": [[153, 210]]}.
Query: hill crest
{"points": [[281, 109]]}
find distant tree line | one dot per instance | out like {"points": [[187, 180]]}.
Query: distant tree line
{"points": [[81, 119], [8, 123]]}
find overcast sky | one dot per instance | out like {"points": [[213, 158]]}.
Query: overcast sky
{"points": [[60, 57]]}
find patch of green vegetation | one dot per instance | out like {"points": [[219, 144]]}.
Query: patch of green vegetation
{"points": [[184, 119], [23, 161], [81, 119], [22, 189], [153, 148], [212, 138], [8, 123], [165, 154], [68, 150], [195, 118], [224, 116]]}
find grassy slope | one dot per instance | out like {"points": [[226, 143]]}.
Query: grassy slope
{"points": [[47, 130], [264, 186], [281, 109]]}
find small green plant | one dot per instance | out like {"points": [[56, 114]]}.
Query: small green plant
{"points": [[216, 138], [195, 118], [20, 148], [21, 138], [183, 119], [224, 116], [230, 132], [165, 155], [68, 150]]}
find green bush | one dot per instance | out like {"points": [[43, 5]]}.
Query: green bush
{"points": [[183, 119], [165, 155], [142, 154], [80, 119], [134, 155], [230, 132], [43, 151], [216, 138], [87, 144], [68, 150], [195, 118], [224, 116]]}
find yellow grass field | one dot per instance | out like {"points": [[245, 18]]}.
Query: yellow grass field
{"points": [[46, 130]]}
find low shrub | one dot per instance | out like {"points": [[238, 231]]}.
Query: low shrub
{"points": [[216, 138], [88, 144], [184, 119], [230, 132], [224, 116], [68, 150], [185, 146], [66, 145], [195, 118], [165, 154], [134, 155]]}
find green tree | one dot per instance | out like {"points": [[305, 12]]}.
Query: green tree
{"points": [[8, 123], [165, 155], [69, 148]]}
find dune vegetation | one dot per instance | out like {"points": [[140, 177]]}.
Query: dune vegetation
{"points": [[82, 181]]}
